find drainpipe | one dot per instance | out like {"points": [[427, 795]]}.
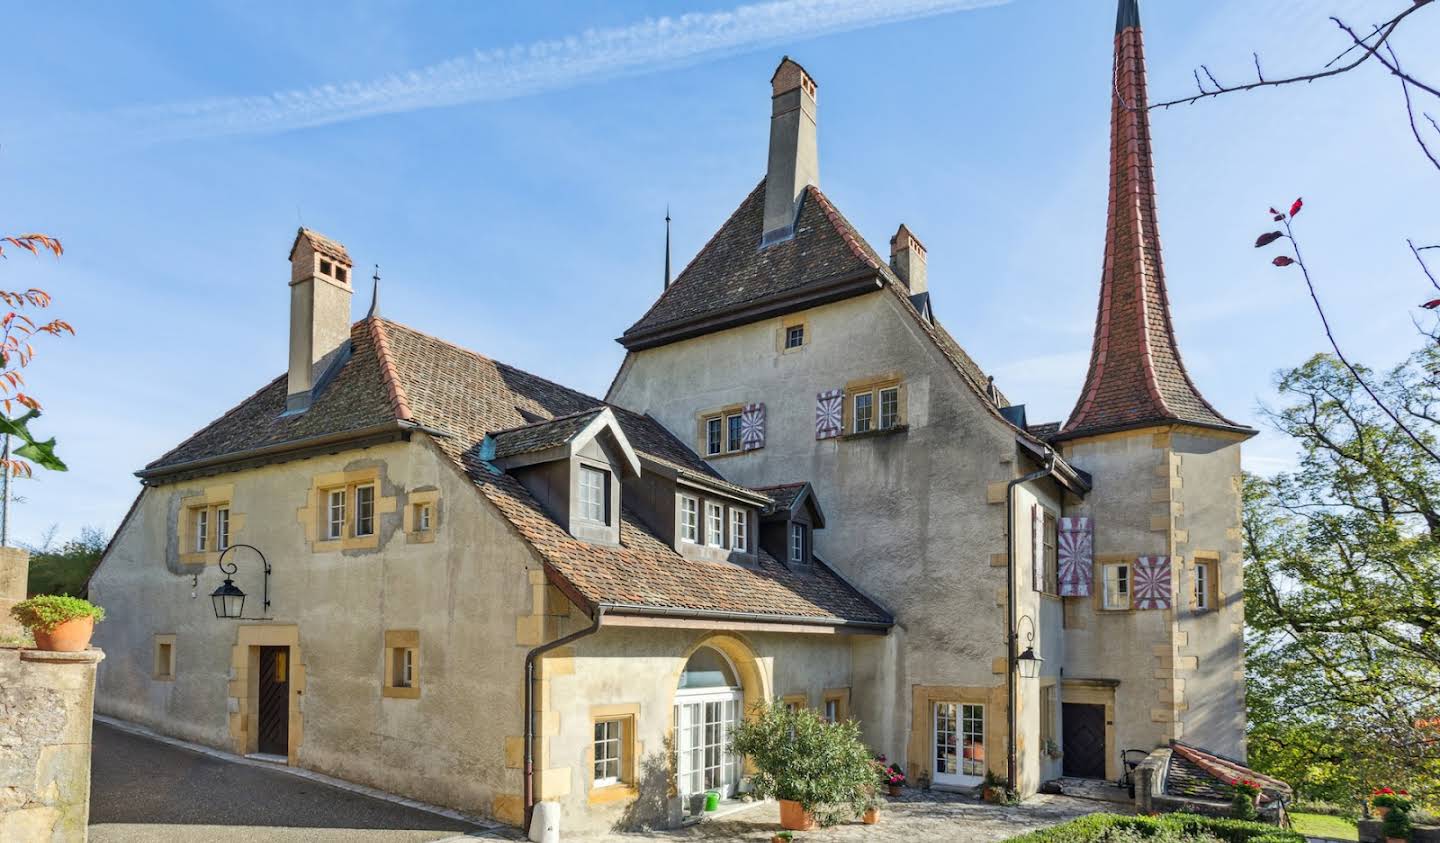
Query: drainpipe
{"points": [[1010, 634], [530, 658]]}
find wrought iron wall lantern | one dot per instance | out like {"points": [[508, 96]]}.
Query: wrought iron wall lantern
{"points": [[1027, 662], [229, 600]]}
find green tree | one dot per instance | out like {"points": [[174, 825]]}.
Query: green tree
{"points": [[1343, 584], [65, 569]]}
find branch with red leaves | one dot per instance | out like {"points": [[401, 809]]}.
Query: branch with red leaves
{"points": [[1298, 260], [16, 352]]}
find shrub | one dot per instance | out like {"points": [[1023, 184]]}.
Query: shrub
{"points": [[1242, 803], [46, 611], [800, 757], [1397, 824], [1105, 828]]}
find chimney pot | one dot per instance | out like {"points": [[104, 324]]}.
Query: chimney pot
{"points": [[794, 161], [907, 258], [320, 295]]}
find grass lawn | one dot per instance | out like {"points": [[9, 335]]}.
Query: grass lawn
{"points": [[1320, 825]]}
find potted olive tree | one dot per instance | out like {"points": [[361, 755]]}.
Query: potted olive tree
{"points": [[59, 623], [820, 772]]}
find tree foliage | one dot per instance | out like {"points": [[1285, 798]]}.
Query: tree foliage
{"points": [[16, 351], [66, 569], [1343, 586]]}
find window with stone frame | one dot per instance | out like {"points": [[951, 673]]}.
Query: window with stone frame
{"points": [[402, 664], [365, 510], [609, 751], [1051, 538], [1115, 586]]}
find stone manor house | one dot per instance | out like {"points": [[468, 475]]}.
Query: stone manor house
{"points": [[485, 589]]}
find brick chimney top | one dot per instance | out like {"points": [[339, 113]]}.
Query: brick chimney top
{"points": [[789, 76], [907, 258]]}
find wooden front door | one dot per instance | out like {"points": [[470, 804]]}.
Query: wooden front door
{"points": [[1084, 735], [274, 715]]}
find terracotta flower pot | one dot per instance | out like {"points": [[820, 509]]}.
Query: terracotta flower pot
{"points": [[71, 636], [871, 816], [795, 818]]}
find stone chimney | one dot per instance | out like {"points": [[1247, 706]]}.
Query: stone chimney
{"points": [[907, 258], [319, 312], [794, 160]]}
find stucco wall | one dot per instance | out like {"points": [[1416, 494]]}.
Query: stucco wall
{"points": [[14, 574], [46, 703], [909, 519], [465, 593]]}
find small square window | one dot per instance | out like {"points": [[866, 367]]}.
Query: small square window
{"points": [[714, 524], [794, 336], [609, 749], [889, 407], [1117, 586], [689, 519], [340, 274], [739, 529], [864, 411], [324, 267], [364, 510], [335, 514], [713, 438], [594, 485]]}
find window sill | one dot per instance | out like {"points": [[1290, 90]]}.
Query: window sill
{"points": [[726, 454], [871, 434], [420, 536], [159, 678], [605, 794], [398, 693], [370, 542]]}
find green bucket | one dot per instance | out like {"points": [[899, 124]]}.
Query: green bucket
{"points": [[712, 800]]}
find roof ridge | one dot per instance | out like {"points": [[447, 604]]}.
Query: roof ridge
{"points": [[399, 401], [587, 411]]}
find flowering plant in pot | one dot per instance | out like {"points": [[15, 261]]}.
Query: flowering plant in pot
{"points": [[820, 772], [1242, 803], [58, 622], [1396, 825], [1386, 800], [891, 777]]}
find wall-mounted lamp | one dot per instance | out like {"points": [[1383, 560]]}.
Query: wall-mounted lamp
{"points": [[229, 600], [1027, 662]]}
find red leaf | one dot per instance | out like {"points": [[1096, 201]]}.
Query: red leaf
{"points": [[1295, 209], [1432, 304], [1267, 238], [1283, 261]]}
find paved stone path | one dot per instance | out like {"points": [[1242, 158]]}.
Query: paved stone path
{"points": [[917, 816], [146, 791]]}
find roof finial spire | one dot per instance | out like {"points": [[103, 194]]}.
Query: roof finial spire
{"points": [[667, 246], [375, 294]]}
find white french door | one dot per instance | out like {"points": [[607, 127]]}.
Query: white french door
{"points": [[703, 723], [959, 745]]}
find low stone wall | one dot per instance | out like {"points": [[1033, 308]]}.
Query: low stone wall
{"points": [[46, 704], [1370, 833], [14, 572]]}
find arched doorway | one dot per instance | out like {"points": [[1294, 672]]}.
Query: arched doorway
{"points": [[709, 703]]}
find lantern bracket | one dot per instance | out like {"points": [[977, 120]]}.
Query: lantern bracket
{"points": [[228, 569]]}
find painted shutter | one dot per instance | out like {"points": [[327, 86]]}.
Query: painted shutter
{"points": [[829, 406], [752, 427], [1152, 582], [1077, 556], [1037, 547]]}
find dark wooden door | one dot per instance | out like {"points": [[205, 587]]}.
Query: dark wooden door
{"points": [[274, 700], [1084, 734]]}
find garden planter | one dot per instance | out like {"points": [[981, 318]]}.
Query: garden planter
{"points": [[795, 818], [871, 816], [71, 636], [894, 790]]}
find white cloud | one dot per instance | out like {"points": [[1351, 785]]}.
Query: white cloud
{"points": [[524, 69]]}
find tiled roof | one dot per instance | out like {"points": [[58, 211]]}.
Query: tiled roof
{"points": [[782, 496], [1136, 376], [397, 373], [1044, 430], [541, 435], [1197, 772], [732, 270], [322, 244]]}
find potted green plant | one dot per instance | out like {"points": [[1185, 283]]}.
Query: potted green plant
{"points": [[1245, 795], [1384, 800], [1396, 825], [820, 772], [995, 789], [59, 623]]}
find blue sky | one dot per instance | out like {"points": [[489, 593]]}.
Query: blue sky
{"points": [[508, 166]]}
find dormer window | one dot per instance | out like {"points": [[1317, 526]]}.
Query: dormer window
{"points": [[739, 530], [714, 524], [689, 519], [594, 484], [797, 543]]}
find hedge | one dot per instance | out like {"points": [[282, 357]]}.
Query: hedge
{"points": [[1092, 828]]}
